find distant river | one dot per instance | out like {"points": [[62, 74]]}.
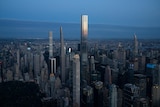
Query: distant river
{"points": [[31, 29]]}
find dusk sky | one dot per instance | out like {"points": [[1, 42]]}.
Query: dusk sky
{"points": [[112, 12]]}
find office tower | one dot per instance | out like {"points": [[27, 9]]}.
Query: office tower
{"points": [[62, 57], [140, 81], [16, 75], [2, 78], [87, 96], [107, 75], [150, 68], [119, 97], [84, 34], [130, 73], [141, 64], [76, 80], [155, 95], [135, 46], [155, 84], [113, 96], [121, 54], [31, 63], [41, 60], [18, 57], [50, 44], [92, 64], [130, 92], [156, 75], [36, 65], [98, 94], [25, 61], [105, 97]]}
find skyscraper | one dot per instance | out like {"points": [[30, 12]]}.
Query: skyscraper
{"points": [[130, 92], [155, 95], [107, 76], [83, 50], [76, 80], [36, 65], [92, 64], [62, 57], [113, 96], [50, 44], [84, 34], [18, 57], [140, 81], [135, 45]]}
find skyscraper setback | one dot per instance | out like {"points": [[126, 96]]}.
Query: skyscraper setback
{"points": [[62, 57]]}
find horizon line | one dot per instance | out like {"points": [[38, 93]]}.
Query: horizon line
{"points": [[46, 21]]}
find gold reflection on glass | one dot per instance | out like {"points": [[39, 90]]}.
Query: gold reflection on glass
{"points": [[84, 25]]}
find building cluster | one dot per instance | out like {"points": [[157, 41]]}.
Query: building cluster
{"points": [[86, 73]]}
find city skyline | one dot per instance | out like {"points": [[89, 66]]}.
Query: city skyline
{"points": [[80, 73]]}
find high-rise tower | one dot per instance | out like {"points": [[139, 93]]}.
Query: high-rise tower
{"points": [[107, 76], [50, 44], [113, 96], [135, 45], [62, 57], [36, 65], [83, 50], [84, 34], [76, 80]]}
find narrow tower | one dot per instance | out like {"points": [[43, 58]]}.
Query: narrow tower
{"points": [[76, 80], [50, 44], [135, 45], [83, 50], [62, 57], [84, 34]]}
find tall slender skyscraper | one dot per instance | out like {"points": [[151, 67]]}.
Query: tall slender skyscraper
{"points": [[135, 45], [84, 34], [76, 80], [83, 50], [62, 57], [50, 44]]}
